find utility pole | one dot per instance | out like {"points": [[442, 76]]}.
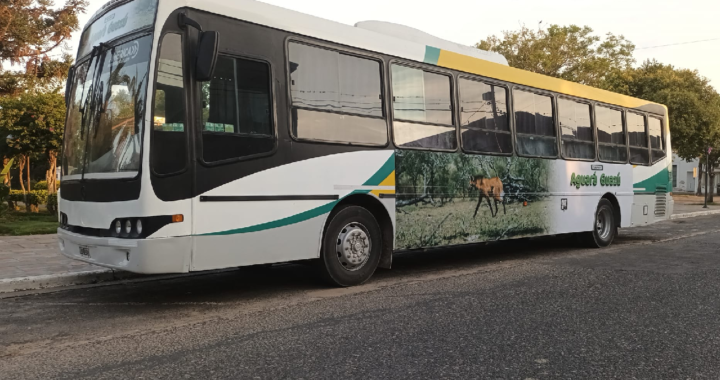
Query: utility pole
{"points": [[707, 174]]}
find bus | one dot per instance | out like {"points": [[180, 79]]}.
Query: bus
{"points": [[213, 134]]}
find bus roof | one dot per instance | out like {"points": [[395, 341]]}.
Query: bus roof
{"points": [[408, 43]]}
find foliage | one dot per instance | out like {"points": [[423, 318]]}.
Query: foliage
{"points": [[52, 203], [4, 193], [34, 123], [569, 52], [17, 223], [30, 30], [693, 105], [40, 185], [34, 198]]}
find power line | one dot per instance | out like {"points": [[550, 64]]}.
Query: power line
{"points": [[679, 43]]}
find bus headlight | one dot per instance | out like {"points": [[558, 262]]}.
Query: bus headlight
{"points": [[138, 227], [118, 227], [128, 226]]}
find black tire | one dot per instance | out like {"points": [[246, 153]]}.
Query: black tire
{"points": [[604, 226], [353, 228]]}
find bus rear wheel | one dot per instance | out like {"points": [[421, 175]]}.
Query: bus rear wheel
{"points": [[604, 226], [351, 247]]}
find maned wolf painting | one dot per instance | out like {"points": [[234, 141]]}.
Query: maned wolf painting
{"points": [[451, 198]]}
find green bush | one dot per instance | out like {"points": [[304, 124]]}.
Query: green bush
{"points": [[52, 203], [40, 185], [4, 194], [35, 198]]}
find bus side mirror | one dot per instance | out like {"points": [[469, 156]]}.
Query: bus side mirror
{"points": [[68, 85], [207, 54]]}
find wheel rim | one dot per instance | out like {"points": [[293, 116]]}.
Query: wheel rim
{"points": [[353, 246], [603, 223]]}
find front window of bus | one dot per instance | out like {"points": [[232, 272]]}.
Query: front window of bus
{"points": [[103, 137]]}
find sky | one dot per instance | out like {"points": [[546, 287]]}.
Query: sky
{"points": [[646, 23]]}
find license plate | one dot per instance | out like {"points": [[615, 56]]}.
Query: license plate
{"points": [[84, 251]]}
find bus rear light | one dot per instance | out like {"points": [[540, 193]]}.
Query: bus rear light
{"points": [[178, 218]]}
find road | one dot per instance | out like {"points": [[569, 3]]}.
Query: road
{"points": [[647, 307]]}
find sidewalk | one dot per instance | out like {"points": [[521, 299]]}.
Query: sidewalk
{"points": [[35, 262]]}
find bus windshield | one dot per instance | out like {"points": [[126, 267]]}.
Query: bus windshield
{"points": [[105, 122], [103, 135]]}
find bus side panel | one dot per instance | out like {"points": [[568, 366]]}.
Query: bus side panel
{"points": [[448, 199], [652, 186]]}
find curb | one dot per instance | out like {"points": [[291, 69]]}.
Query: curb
{"points": [[694, 214], [64, 279]]}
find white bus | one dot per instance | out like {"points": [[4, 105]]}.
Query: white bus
{"points": [[213, 134]]}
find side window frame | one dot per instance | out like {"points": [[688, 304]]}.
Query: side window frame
{"points": [[593, 127], [453, 103], [553, 102], [597, 133], [647, 137], [508, 102], [663, 141], [188, 104], [346, 51], [273, 114]]}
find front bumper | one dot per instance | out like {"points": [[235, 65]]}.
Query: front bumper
{"points": [[147, 256]]}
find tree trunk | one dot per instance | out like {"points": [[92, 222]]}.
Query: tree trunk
{"points": [[28, 173], [21, 166], [711, 191], [698, 190], [51, 174], [6, 178]]}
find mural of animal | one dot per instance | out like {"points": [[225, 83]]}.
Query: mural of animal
{"points": [[489, 188]]}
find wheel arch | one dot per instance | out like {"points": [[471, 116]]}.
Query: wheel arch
{"points": [[617, 213], [379, 211]]}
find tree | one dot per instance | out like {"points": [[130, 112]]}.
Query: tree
{"points": [[33, 124], [568, 52], [693, 109], [30, 30]]}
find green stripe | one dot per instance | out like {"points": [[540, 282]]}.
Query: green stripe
{"points": [[432, 55], [382, 173], [661, 178], [374, 180]]}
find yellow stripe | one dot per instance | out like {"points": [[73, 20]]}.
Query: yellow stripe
{"points": [[388, 181], [494, 70]]}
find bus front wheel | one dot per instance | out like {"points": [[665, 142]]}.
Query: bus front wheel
{"points": [[351, 247], [604, 226]]}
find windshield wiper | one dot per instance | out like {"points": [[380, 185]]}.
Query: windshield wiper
{"points": [[87, 99]]}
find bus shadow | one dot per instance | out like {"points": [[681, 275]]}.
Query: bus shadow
{"points": [[249, 284]]}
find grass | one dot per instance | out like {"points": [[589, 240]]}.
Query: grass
{"points": [[17, 223], [453, 223]]}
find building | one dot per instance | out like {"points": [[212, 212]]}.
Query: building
{"points": [[685, 175]]}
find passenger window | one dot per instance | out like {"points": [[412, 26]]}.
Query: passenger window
{"points": [[484, 124], [576, 130], [657, 145], [637, 138], [169, 147], [535, 126], [236, 110], [422, 108], [336, 97], [611, 135]]}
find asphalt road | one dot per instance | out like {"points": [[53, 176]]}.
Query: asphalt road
{"points": [[647, 307]]}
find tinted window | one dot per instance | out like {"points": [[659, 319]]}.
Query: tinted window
{"points": [[421, 96], [535, 125], [656, 138], [576, 130], [637, 138], [169, 148], [484, 117], [236, 112], [348, 86], [422, 109], [611, 135]]}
